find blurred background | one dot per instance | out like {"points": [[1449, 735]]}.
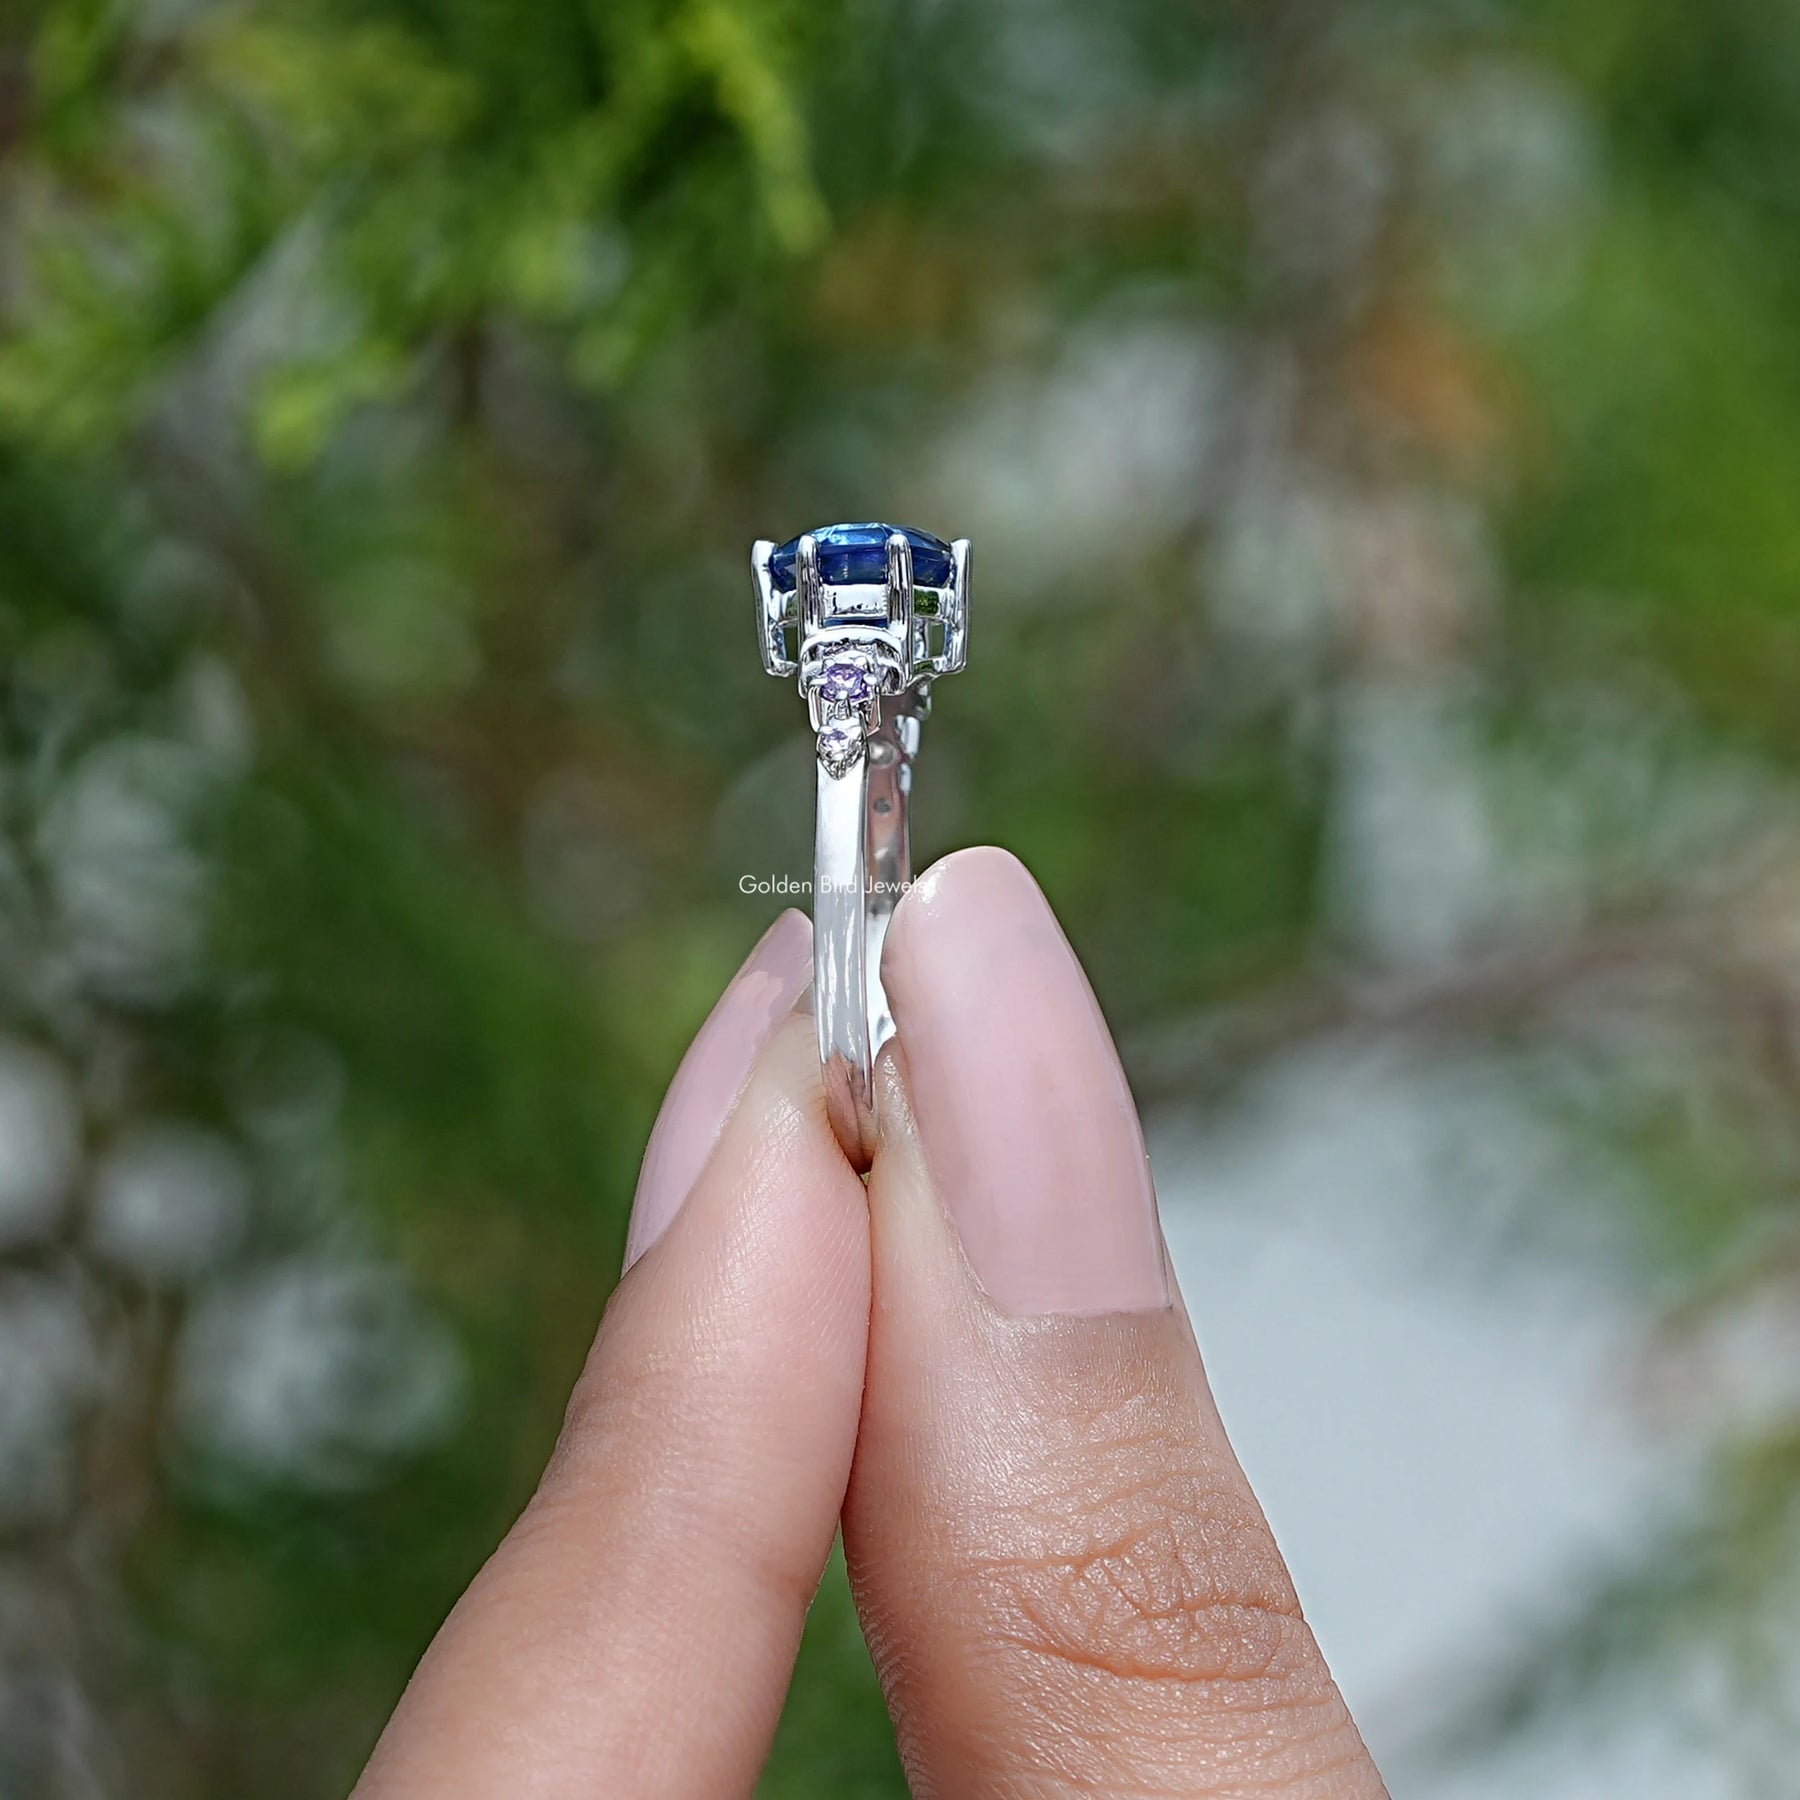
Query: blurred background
{"points": [[1379, 426]]}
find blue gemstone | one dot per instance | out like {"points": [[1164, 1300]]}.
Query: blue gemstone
{"points": [[849, 554]]}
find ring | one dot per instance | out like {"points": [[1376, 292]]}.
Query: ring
{"points": [[865, 616]]}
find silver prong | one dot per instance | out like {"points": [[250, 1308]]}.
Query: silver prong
{"points": [[771, 610], [956, 632], [761, 553], [900, 598], [899, 577], [811, 588]]}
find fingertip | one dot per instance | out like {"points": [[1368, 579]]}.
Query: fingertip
{"points": [[1021, 1104], [713, 1075], [776, 1197], [965, 878]]}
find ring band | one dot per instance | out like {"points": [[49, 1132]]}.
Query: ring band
{"points": [[865, 616]]}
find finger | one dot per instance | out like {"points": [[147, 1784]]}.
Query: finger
{"points": [[1065, 1579], [635, 1632]]}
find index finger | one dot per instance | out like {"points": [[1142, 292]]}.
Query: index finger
{"points": [[635, 1632]]}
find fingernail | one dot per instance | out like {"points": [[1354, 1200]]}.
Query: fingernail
{"points": [[713, 1073], [1023, 1111]]}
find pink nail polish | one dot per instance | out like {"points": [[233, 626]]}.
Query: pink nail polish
{"points": [[713, 1073], [1027, 1123]]}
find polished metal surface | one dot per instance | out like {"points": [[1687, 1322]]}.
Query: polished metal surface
{"points": [[864, 656]]}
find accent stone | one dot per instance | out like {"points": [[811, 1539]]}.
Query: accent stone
{"points": [[840, 744], [846, 682]]}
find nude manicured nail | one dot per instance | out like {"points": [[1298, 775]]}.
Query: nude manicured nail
{"points": [[1026, 1120], [713, 1073]]}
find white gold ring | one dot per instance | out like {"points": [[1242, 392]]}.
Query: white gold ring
{"points": [[865, 616]]}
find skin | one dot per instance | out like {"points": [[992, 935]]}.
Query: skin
{"points": [[1065, 1580]]}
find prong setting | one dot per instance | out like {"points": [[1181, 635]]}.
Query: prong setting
{"points": [[874, 612], [811, 589], [774, 619], [900, 585], [956, 621]]}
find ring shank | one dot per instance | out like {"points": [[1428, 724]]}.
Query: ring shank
{"points": [[862, 864]]}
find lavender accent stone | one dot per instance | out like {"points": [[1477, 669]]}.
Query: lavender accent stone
{"points": [[840, 744], [846, 682]]}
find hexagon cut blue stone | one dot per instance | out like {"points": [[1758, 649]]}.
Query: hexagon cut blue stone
{"points": [[849, 554]]}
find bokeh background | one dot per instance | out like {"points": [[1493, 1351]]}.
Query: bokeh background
{"points": [[1379, 425]]}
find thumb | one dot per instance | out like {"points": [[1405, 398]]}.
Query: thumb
{"points": [[1065, 1579]]}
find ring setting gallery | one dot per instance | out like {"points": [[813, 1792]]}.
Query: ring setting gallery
{"points": [[866, 617]]}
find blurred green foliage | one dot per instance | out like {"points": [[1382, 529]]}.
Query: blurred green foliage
{"points": [[1343, 400]]}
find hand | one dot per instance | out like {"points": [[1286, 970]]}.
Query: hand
{"points": [[981, 1365]]}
